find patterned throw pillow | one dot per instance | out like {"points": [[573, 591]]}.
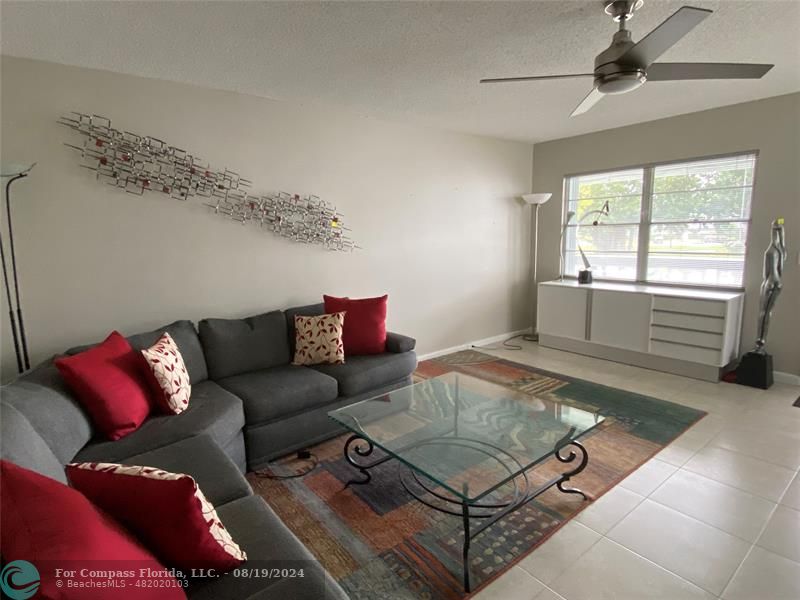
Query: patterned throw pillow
{"points": [[319, 339], [171, 381], [166, 511]]}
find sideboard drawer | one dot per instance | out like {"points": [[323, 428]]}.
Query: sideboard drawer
{"points": [[696, 322], [687, 353], [686, 336], [711, 308]]}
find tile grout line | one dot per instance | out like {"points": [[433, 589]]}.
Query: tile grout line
{"points": [[752, 545], [740, 453], [746, 554], [727, 421], [618, 521], [576, 558], [776, 504], [758, 537], [662, 567], [728, 484], [708, 445], [693, 518], [725, 483]]}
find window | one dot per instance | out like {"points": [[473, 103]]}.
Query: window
{"points": [[680, 223]]}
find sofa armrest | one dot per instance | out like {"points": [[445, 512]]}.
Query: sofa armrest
{"points": [[398, 343]]}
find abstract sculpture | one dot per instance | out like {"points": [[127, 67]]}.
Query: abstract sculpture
{"points": [[585, 274], [755, 368], [774, 259], [138, 164]]}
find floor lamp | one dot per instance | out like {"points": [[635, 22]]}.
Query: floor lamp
{"points": [[535, 200], [13, 173]]}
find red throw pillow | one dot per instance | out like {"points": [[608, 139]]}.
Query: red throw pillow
{"points": [[167, 511], [364, 323], [52, 526], [110, 383]]}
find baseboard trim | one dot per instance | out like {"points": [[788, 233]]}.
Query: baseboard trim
{"points": [[779, 376], [484, 342], [783, 377], [634, 358]]}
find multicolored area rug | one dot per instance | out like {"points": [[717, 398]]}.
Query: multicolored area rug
{"points": [[379, 542]]}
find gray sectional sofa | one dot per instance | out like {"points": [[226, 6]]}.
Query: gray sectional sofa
{"points": [[248, 406]]}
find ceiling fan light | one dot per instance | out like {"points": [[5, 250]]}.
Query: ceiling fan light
{"points": [[620, 83]]}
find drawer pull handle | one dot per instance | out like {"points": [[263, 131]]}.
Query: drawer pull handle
{"points": [[678, 312], [686, 329], [652, 339]]}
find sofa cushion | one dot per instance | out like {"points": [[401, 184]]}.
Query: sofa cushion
{"points": [[110, 382], [43, 398], [362, 373], [268, 544], [234, 346], [268, 441], [200, 457], [280, 392], [185, 336], [21, 444], [309, 310], [212, 410], [235, 450]]}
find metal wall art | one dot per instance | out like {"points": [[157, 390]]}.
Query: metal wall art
{"points": [[140, 164]]}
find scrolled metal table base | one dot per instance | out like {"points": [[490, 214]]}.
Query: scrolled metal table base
{"points": [[361, 447], [358, 447]]}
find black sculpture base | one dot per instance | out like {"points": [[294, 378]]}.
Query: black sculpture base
{"points": [[755, 370], [585, 276]]}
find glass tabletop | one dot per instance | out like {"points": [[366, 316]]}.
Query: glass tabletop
{"points": [[468, 435]]}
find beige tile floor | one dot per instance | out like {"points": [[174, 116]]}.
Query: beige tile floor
{"points": [[714, 515]]}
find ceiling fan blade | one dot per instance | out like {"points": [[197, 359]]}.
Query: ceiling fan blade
{"points": [[534, 78], [591, 99], [676, 71], [663, 37]]}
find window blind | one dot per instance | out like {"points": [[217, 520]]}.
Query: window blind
{"points": [[681, 223]]}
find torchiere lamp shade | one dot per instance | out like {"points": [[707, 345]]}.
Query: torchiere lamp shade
{"points": [[536, 198]]}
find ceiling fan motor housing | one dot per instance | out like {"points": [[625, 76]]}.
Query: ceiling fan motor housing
{"points": [[612, 77], [622, 9]]}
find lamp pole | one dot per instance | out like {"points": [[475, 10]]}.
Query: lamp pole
{"points": [[536, 200], [17, 323]]}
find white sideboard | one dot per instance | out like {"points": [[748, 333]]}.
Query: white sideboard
{"points": [[686, 331]]}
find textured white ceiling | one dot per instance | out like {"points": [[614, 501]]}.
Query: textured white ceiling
{"points": [[412, 61]]}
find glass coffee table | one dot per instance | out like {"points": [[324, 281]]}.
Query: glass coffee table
{"points": [[468, 445]]}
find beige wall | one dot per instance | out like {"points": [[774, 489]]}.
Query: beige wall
{"points": [[435, 212], [771, 126]]}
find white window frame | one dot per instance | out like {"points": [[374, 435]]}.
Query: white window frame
{"points": [[645, 222]]}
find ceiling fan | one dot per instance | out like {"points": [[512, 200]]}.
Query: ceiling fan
{"points": [[625, 65]]}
